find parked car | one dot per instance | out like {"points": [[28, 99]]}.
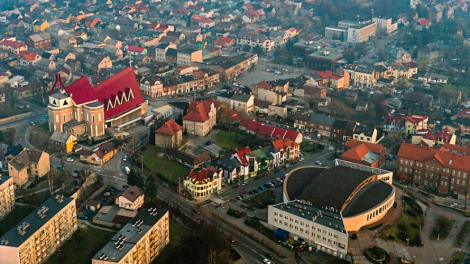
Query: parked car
{"points": [[261, 188], [83, 217], [235, 186], [269, 255], [254, 191], [231, 239], [70, 159], [208, 143], [129, 152], [60, 168], [244, 183], [453, 204], [318, 162], [243, 192], [265, 174], [107, 194], [279, 180], [277, 170], [266, 261], [207, 201], [33, 124], [124, 158]]}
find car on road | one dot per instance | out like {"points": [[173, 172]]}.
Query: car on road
{"points": [[124, 158], [266, 261], [33, 124], [83, 217], [269, 255], [128, 171], [244, 183], [279, 180], [277, 170], [231, 239], [453, 204], [235, 84], [261, 188], [318, 162], [207, 201], [243, 192], [265, 174], [70, 159], [107, 194], [240, 197], [129, 152], [331, 148], [235, 186]]}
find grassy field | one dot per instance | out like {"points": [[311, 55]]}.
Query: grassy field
{"points": [[83, 245], [169, 169], [310, 147], [226, 140], [14, 218], [407, 220], [176, 233], [260, 200]]}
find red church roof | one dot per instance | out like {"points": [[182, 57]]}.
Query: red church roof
{"points": [[123, 84]]}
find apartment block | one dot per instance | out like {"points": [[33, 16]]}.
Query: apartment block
{"points": [[7, 195], [139, 241], [41, 233]]}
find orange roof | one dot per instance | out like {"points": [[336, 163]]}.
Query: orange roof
{"points": [[376, 148], [264, 85], [169, 128], [447, 158], [284, 143], [29, 56], [356, 153], [325, 74]]}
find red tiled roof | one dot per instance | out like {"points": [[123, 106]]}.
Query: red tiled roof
{"points": [[284, 144], [199, 110], [204, 176], [253, 14], [169, 128], [245, 121], [249, 6], [205, 20], [291, 134], [463, 113], [13, 44], [135, 48], [195, 7], [29, 56], [264, 85], [456, 149], [424, 21], [376, 148], [416, 119], [254, 125], [265, 130], [224, 39], [241, 155], [325, 74], [357, 152], [279, 132], [124, 83], [336, 77]]}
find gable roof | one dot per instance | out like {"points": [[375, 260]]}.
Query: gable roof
{"points": [[169, 128], [199, 110], [122, 83]]}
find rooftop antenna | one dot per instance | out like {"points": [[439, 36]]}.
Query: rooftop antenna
{"points": [[372, 11]]}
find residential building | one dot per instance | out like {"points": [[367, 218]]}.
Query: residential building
{"points": [[437, 170], [63, 141], [364, 76], [99, 156], [26, 59], [253, 39], [268, 132], [39, 41], [41, 233], [151, 86], [323, 59], [13, 46], [7, 195], [464, 125], [161, 50], [429, 54], [414, 123], [204, 182], [201, 117], [188, 55], [242, 102], [135, 50], [131, 198], [28, 164], [169, 135], [270, 93], [140, 240], [229, 169], [117, 102], [289, 149], [398, 55], [248, 161], [40, 25], [224, 42], [321, 124], [364, 153], [431, 138], [367, 133]]}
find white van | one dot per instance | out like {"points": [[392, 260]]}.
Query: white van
{"points": [[127, 170]]}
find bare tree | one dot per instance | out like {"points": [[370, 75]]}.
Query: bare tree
{"points": [[11, 96]]}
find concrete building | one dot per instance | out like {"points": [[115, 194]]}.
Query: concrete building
{"points": [[7, 195], [384, 25], [169, 135], [188, 55], [28, 164], [41, 233], [139, 241], [131, 198], [361, 31], [117, 102], [204, 182], [322, 205]]}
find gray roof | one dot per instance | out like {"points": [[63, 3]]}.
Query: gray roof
{"points": [[4, 179], [214, 149], [61, 137], [241, 97], [226, 164], [131, 234], [35, 223], [322, 119], [365, 129]]}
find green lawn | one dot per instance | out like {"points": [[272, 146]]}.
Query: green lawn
{"points": [[176, 233], [226, 140], [6, 110], [169, 169], [260, 200], [407, 220], [457, 257], [14, 218], [82, 246], [453, 87], [310, 147]]}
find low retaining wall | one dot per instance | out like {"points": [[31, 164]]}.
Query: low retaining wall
{"points": [[15, 117]]}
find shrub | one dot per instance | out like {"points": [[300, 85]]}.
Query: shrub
{"points": [[252, 221], [403, 236], [391, 237], [411, 212], [414, 225], [402, 227], [416, 241], [354, 236]]}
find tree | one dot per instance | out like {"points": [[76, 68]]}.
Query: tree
{"points": [[8, 135], [151, 187], [258, 50], [422, 66], [11, 96], [134, 179]]}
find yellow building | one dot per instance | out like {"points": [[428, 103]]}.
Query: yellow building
{"points": [[139, 241], [28, 164], [7, 195], [364, 76], [40, 25], [64, 141], [41, 233], [204, 182]]}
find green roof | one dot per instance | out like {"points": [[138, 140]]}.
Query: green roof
{"points": [[306, 44], [330, 56], [259, 153]]}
